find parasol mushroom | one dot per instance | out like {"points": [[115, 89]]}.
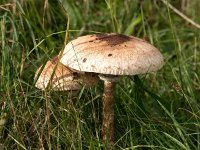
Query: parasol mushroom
{"points": [[111, 56]]}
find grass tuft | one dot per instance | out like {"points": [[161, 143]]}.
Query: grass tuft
{"points": [[153, 111]]}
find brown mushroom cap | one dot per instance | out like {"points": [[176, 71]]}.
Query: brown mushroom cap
{"points": [[64, 78], [114, 54]]}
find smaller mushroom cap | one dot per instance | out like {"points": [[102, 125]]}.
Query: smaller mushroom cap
{"points": [[113, 54], [62, 78]]}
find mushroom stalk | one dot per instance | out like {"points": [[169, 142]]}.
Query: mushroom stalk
{"points": [[108, 107], [108, 112]]}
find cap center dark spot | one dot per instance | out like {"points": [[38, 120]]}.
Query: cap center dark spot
{"points": [[113, 39], [109, 55]]}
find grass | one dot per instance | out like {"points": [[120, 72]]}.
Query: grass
{"points": [[153, 111]]}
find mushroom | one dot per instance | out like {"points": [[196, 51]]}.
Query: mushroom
{"points": [[62, 78], [111, 56]]}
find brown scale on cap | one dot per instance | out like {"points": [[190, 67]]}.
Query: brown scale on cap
{"points": [[85, 59]]}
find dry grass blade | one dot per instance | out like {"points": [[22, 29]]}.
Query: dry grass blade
{"points": [[196, 25]]}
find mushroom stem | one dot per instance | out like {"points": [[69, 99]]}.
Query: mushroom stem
{"points": [[108, 107], [108, 112]]}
